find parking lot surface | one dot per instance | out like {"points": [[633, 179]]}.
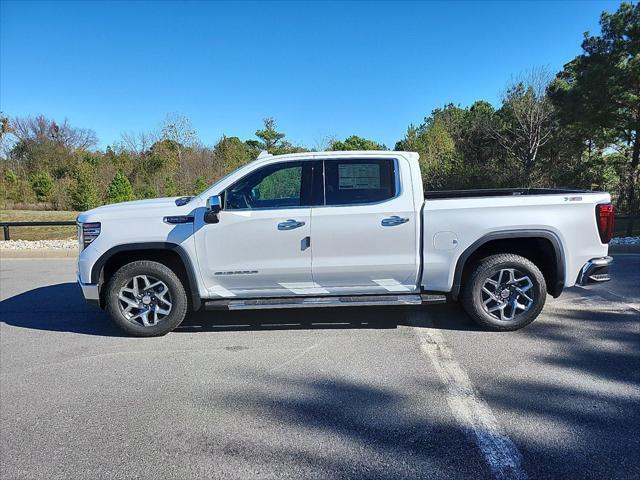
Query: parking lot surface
{"points": [[326, 393]]}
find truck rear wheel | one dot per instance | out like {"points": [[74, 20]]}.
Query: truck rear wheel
{"points": [[146, 299], [504, 292]]}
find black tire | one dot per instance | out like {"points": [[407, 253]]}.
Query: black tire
{"points": [[488, 269], [176, 290]]}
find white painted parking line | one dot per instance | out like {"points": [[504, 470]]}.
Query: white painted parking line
{"points": [[471, 412]]}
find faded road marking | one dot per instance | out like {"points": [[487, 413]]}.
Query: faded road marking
{"points": [[470, 411], [296, 357]]}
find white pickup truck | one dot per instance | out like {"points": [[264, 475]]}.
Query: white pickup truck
{"points": [[323, 229]]}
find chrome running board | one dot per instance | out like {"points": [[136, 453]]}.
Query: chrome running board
{"points": [[312, 302]]}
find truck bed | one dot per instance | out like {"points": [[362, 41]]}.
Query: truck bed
{"points": [[499, 192]]}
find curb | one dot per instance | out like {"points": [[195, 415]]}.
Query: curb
{"points": [[40, 253]]}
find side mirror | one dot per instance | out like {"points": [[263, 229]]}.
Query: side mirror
{"points": [[214, 206]]}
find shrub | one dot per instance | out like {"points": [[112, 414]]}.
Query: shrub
{"points": [[42, 186], [120, 189]]}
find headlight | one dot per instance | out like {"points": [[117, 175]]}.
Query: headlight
{"points": [[87, 233]]}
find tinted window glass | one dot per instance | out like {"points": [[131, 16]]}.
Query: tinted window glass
{"points": [[359, 181], [273, 186]]}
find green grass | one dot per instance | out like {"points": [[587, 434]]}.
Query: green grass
{"points": [[38, 233]]}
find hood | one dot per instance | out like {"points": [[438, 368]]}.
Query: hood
{"points": [[129, 209]]}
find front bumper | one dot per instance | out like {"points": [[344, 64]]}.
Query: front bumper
{"points": [[90, 291], [595, 270]]}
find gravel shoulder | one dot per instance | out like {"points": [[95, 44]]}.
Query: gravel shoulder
{"points": [[38, 248]]}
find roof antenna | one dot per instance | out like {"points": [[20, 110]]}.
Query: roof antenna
{"points": [[264, 154]]}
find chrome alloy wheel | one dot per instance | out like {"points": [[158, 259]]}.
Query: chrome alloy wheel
{"points": [[145, 300], [507, 294]]}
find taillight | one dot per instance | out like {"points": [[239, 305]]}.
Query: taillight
{"points": [[604, 217]]}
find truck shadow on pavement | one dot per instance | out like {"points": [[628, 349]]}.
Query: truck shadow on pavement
{"points": [[61, 308], [57, 308]]}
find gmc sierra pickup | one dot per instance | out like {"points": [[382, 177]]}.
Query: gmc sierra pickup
{"points": [[340, 229]]}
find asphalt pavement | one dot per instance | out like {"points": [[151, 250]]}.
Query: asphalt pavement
{"points": [[361, 393]]}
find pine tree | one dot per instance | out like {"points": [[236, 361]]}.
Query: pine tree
{"points": [[84, 194], [120, 189]]}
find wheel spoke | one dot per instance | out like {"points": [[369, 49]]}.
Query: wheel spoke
{"points": [[499, 306], [522, 294], [491, 294], [144, 316], [491, 281], [128, 301], [504, 316]]}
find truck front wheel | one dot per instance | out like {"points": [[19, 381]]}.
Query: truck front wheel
{"points": [[146, 299], [504, 292]]}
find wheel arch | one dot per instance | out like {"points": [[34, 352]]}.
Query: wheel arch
{"points": [[542, 247], [170, 254]]}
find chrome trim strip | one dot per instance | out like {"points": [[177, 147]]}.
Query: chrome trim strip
{"points": [[595, 270], [314, 302]]}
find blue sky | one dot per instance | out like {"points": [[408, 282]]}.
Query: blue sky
{"points": [[365, 68]]}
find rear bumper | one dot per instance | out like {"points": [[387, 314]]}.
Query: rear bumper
{"points": [[595, 270], [90, 291]]}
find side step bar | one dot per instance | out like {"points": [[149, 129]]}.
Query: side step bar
{"points": [[308, 302]]}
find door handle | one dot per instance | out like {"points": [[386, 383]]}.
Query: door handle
{"points": [[392, 221], [290, 225]]}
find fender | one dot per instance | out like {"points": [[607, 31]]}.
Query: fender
{"points": [[555, 290], [96, 269]]}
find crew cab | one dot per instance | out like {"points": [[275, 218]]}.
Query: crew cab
{"points": [[323, 229]]}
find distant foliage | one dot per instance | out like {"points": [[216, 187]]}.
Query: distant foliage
{"points": [[170, 188], [42, 186], [355, 142], [84, 194], [144, 191], [199, 185], [120, 189]]}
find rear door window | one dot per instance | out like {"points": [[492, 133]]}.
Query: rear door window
{"points": [[359, 181]]}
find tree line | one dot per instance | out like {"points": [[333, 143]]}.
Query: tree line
{"points": [[575, 128]]}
